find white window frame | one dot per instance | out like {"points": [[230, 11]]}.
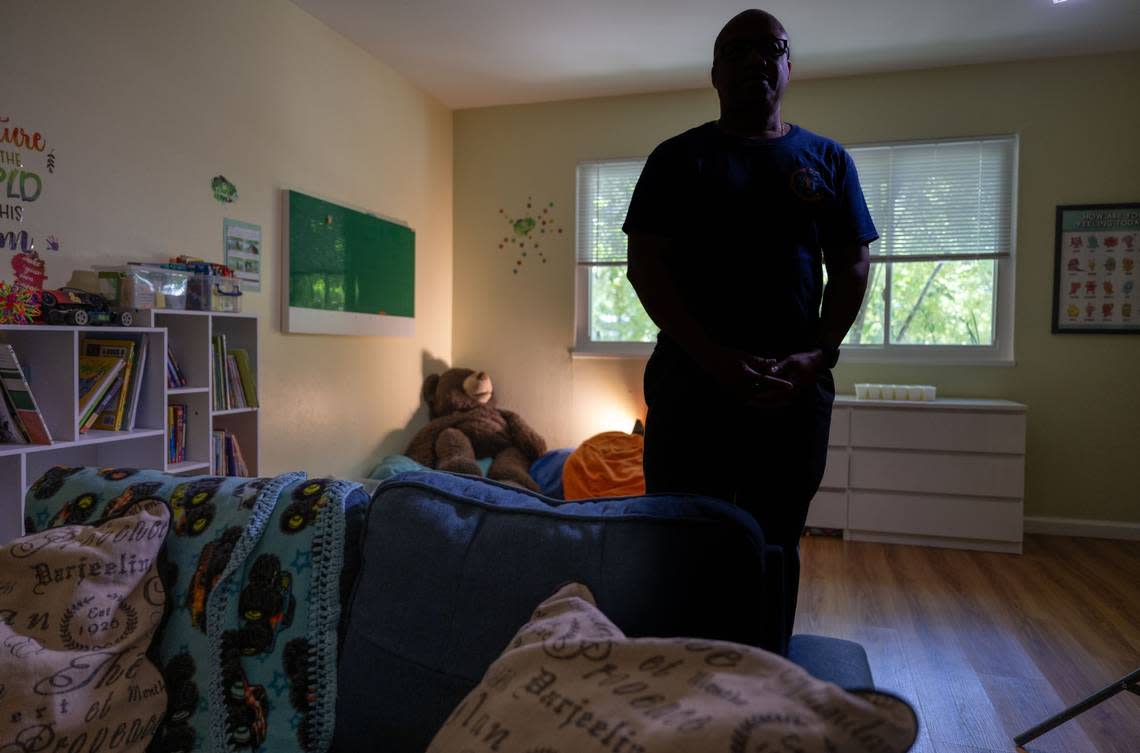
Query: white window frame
{"points": [[584, 347], [1000, 353]]}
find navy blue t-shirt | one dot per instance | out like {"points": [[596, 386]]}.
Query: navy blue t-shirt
{"points": [[748, 219]]}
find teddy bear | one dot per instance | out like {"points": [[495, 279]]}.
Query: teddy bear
{"points": [[466, 423]]}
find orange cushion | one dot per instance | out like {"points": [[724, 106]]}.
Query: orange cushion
{"points": [[605, 465]]}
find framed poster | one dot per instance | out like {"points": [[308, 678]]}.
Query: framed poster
{"points": [[1097, 263]]}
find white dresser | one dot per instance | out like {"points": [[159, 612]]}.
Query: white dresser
{"points": [[945, 473]]}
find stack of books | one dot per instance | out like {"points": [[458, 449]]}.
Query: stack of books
{"points": [[235, 385], [110, 382], [228, 460], [176, 433], [20, 419]]}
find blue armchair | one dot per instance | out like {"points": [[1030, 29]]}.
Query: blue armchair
{"points": [[450, 567]]}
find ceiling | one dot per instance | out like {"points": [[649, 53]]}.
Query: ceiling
{"points": [[475, 53]]}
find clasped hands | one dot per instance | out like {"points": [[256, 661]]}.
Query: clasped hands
{"points": [[761, 381]]}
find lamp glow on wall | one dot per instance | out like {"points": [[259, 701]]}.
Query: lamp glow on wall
{"points": [[615, 418], [604, 410]]}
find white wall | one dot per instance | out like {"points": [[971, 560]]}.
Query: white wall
{"points": [[144, 102]]}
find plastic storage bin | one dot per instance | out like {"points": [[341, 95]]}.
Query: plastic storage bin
{"points": [[144, 287], [214, 293]]}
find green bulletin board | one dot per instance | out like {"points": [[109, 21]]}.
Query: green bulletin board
{"points": [[346, 272]]}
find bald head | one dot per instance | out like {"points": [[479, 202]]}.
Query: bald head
{"points": [[748, 22], [750, 71]]}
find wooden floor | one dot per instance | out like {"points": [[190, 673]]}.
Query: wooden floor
{"points": [[987, 645]]}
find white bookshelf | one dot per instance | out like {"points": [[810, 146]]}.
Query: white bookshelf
{"points": [[49, 356], [190, 335]]}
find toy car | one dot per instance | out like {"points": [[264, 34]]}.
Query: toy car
{"points": [[80, 308]]}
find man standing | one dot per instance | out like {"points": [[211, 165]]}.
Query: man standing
{"points": [[727, 228]]}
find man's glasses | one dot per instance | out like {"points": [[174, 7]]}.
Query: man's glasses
{"points": [[772, 48]]}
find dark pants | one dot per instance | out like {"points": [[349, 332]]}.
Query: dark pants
{"points": [[769, 461]]}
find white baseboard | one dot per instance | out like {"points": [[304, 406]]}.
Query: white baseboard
{"points": [[1097, 529]]}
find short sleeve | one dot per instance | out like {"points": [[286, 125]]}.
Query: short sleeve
{"points": [[657, 201], [848, 221]]}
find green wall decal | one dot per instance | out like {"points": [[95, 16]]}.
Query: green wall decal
{"points": [[224, 191], [528, 233]]}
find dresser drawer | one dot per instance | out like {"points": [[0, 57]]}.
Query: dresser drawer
{"points": [[932, 429], [835, 475], [840, 427], [971, 475], [828, 510], [948, 517]]}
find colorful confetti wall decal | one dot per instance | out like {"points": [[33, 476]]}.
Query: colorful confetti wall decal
{"points": [[527, 233], [19, 304]]}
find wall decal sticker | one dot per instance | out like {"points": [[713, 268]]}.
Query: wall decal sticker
{"points": [[528, 231], [25, 163], [29, 269], [224, 191]]}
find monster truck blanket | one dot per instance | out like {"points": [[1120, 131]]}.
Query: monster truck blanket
{"points": [[252, 579]]}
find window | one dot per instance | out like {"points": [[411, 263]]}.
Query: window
{"points": [[610, 317], [941, 281]]}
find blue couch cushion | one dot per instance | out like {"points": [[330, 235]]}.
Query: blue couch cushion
{"points": [[834, 660], [454, 565], [547, 472]]}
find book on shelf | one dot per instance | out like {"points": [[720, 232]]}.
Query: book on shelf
{"points": [[246, 377], [10, 430], [136, 387], [21, 402], [182, 434], [235, 384], [176, 433], [240, 468], [218, 363], [174, 376], [228, 459], [114, 416], [234, 388], [96, 374], [110, 398]]}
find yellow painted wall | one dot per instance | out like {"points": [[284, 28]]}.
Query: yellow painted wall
{"points": [[144, 102], [1078, 120]]}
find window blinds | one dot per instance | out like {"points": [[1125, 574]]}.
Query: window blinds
{"points": [[604, 191], [952, 198], [948, 198]]}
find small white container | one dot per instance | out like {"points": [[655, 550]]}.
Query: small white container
{"points": [[874, 392], [861, 391], [915, 392], [928, 392]]}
